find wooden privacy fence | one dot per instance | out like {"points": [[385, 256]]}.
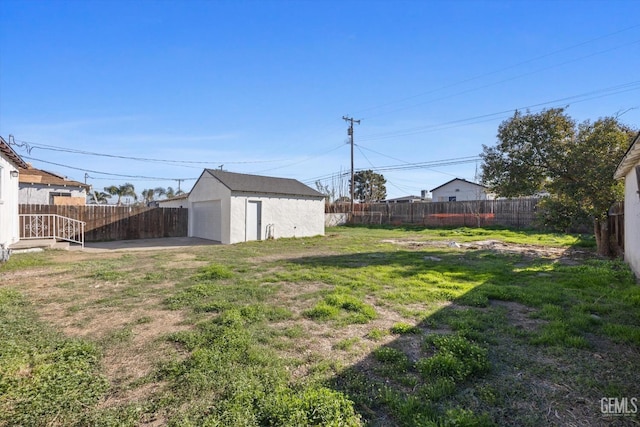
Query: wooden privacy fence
{"points": [[119, 222], [519, 213], [616, 227]]}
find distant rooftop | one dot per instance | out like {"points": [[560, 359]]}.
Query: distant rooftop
{"points": [[31, 175]]}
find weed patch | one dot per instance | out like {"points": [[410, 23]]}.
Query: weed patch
{"points": [[343, 307]]}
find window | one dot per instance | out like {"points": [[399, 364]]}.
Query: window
{"points": [[54, 194], [0, 182], [452, 198]]}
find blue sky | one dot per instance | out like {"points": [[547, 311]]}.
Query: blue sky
{"points": [[261, 86]]}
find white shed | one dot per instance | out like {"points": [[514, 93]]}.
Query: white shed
{"points": [[10, 162], [629, 170], [232, 207], [459, 190]]}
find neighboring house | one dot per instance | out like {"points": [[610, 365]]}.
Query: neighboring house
{"points": [[10, 164], [459, 190], [39, 187], [180, 201], [232, 207], [406, 199], [629, 170]]}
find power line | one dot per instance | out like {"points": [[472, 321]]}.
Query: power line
{"points": [[596, 94], [507, 68], [405, 166], [29, 146], [306, 159], [107, 173], [393, 158], [464, 92]]}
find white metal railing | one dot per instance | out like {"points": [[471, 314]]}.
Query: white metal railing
{"points": [[51, 226]]}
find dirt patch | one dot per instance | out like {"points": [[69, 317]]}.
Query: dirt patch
{"points": [[125, 317], [567, 256], [136, 358], [519, 315]]}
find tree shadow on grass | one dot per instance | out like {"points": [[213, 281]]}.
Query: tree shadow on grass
{"points": [[490, 355]]}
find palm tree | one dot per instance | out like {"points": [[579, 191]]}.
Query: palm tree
{"points": [[99, 197], [160, 191], [148, 195], [171, 192], [124, 190]]}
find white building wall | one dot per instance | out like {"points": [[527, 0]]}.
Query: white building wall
{"points": [[9, 220], [632, 222], [461, 190], [282, 216], [177, 203], [209, 189], [40, 194]]}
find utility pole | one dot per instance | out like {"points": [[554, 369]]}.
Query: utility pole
{"points": [[351, 121]]}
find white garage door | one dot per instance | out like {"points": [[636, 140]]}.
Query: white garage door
{"points": [[207, 220]]}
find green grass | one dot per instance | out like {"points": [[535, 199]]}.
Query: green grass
{"points": [[45, 378], [342, 307], [354, 328]]}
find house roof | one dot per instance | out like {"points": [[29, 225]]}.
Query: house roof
{"points": [[458, 179], [31, 175], [182, 196], [11, 155], [244, 183], [404, 199], [178, 197], [630, 159]]}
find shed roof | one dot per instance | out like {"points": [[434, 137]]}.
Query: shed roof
{"points": [[458, 179], [31, 175], [10, 154], [630, 159], [245, 183]]}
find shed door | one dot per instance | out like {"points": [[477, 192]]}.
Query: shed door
{"points": [[207, 220], [254, 220]]}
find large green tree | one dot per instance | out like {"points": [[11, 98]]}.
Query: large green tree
{"points": [[369, 186], [549, 152]]}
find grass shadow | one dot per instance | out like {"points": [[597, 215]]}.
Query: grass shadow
{"points": [[517, 340]]}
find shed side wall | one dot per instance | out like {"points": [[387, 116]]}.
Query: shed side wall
{"points": [[632, 222], [283, 216]]}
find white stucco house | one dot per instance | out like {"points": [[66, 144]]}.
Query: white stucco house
{"points": [[10, 164], [39, 187], [629, 171], [460, 190], [180, 201], [232, 207]]}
